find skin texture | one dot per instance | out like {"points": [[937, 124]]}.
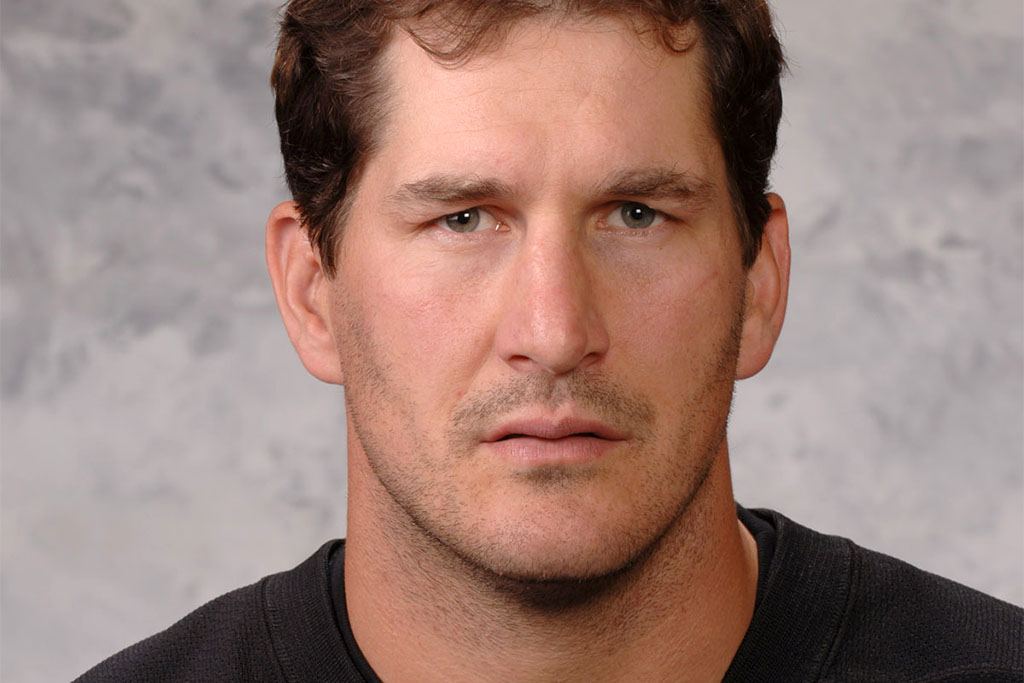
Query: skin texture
{"points": [[598, 541]]}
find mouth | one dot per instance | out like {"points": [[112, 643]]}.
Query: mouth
{"points": [[534, 436], [553, 430], [546, 442]]}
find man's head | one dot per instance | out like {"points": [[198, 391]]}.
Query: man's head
{"points": [[333, 95], [542, 297]]}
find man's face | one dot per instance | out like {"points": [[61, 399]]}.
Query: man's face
{"points": [[538, 299]]}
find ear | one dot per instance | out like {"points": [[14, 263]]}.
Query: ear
{"points": [[301, 289], [767, 289]]}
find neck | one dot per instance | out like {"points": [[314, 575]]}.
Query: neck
{"points": [[421, 614]]}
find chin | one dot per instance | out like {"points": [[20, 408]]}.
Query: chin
{"points": [[596, 533], [543, 570], [549, 542]]}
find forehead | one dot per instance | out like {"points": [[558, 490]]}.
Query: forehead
{"points": [[556, 102]]}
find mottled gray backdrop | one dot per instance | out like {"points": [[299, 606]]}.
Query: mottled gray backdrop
{"points": [[162, 444]]}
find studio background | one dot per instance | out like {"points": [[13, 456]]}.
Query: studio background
{"points": [[161, 443]]}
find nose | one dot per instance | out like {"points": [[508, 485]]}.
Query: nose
{"points": [[551, 320]]}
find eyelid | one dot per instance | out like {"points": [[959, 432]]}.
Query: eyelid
{"points": [[485, 225], [660, 216]]}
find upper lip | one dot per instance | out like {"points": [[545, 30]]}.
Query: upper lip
{"points": [[549, 428]]}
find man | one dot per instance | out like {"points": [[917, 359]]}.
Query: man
{"points": [[532, 241]]}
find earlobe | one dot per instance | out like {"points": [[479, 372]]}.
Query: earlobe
{"points": [[767, 292], [300, 288]]}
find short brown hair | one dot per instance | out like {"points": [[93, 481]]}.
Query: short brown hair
{"points": [[330, 90]]}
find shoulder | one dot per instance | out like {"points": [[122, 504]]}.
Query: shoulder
{"points": [[899, 622], [227, 639], [218, 641], [904, 619]]}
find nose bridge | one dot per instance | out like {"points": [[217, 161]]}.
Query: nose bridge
{"points": [[553, 275], [550, 321]]}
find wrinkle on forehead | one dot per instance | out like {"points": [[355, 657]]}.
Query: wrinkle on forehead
{"points": [[540, 35], [567, 51]]}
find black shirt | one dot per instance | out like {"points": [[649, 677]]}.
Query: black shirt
{"points": [[827, 610]]}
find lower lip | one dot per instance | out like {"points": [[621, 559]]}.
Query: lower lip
{"points": [[537, 452]]}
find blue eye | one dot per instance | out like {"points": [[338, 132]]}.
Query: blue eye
{"points": [[468, 220], [635, 215]]}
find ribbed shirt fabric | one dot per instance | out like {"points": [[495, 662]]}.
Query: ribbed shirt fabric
{"points": [[827, 610]]}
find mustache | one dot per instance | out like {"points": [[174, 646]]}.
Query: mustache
{"points": [[603, 398]]}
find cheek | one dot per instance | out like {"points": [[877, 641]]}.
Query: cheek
{"points": [[674, 318], [430, 320]]}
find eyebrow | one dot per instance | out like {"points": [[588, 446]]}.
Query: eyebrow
{"points": [[656, 183], [449, 189], [645, 183]]}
